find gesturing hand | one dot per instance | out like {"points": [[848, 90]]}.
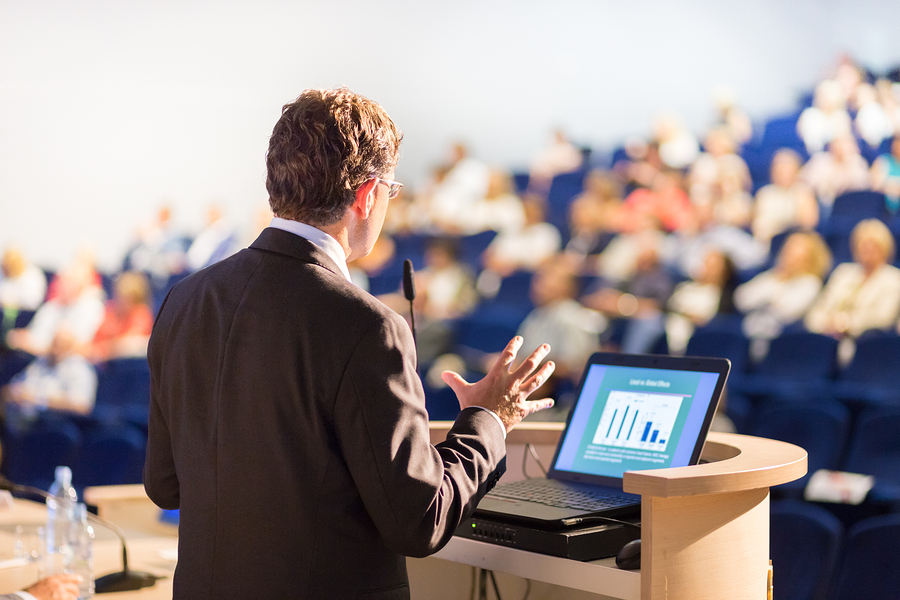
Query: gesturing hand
{"points": [[56, 587], [503, 390]]}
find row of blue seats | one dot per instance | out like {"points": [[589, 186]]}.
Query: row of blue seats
{"points": [[102, 454], [814, 558]]}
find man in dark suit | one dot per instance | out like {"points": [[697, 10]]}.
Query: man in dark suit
{"points": [[287, 421]]}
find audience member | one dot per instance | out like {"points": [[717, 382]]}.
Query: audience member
{"points": [[872, 122], [678, 147], [594, 219], [731, 116], [617, 263], [459, 185], [864, 294], [711, 166], [886, 175], [159, 250], [839, 169], [827, 119], [572, 330], [561, 156], [640, 301], [694, 303], [78, 307], [526, 248], [23, 285], [665, 200], [782, 295], [500, 209], [60, 380], [127, 321], [785, 203], [217, 240]]}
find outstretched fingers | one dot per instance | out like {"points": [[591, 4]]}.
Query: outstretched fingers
{"points": [[531, 363], [509, 353], [537, 380]]}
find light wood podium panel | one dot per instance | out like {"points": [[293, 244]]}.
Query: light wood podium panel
{"points": [[705, 528]]}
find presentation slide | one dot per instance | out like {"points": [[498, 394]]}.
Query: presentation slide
{"points": [[630, 419]]}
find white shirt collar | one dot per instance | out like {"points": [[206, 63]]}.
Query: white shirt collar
{"points": [[325, 242]]}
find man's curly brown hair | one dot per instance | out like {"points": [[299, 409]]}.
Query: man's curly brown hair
{"points": [[326, 144]]}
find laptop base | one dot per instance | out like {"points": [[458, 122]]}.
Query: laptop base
{"points": [[589, 541]]}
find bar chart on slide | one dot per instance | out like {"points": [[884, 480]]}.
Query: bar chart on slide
{"points": [[638, 420]]}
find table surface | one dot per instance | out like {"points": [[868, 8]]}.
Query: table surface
{"points": [[146, 552]]}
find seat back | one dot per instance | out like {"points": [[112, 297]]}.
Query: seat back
{"points": [[800, 356], [51, 442], [804, 542], [870, 564], [110, 455], [875, 445]]}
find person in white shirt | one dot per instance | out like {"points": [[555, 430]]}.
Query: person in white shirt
{"points": [[783, 294], [23, 285]]}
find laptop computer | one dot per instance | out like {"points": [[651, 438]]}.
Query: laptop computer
{"points": [[632, 412]]}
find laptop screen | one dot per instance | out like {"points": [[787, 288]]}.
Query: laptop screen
{"points": [[629, 418]]}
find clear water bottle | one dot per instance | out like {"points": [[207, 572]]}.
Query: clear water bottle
{"points": [[60, 515], [82, 541]]}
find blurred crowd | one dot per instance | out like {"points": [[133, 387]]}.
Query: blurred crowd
{"points": [[753, 224]]}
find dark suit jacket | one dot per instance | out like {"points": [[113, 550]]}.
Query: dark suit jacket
{"points": [[288, 424]]}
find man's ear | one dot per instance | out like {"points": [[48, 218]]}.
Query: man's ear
{"points": [[365, 199]]}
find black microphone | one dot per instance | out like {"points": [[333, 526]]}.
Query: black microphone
{"points": [[125, 580], [409, 291]]}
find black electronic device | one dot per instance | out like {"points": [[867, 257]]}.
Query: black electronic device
{"points": [[591, 540]]}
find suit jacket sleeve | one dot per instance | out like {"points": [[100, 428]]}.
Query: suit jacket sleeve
{"points": [[416, 493]]}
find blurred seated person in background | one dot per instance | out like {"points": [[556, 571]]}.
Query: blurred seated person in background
{"points": [[694, 303], [594, 219], [678, 147], [60, 380], [23, 285], [77, 306], [217, 240], [712, 165], [665, 200], [872, 122], [784, 293], [561, 156], [886, 175], [445, 290], [459, 184], [640, 299], [839, 169], [159, 250], [785, 203], [731, 116], [525, 248], [641, 165], [127, 321], [619, 260], [572, 330], [685, 250], [827, 119], [500, 209], [861, 295]]}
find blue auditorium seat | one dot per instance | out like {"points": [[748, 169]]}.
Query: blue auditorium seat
{"points": [[122, 385], [515, 291], [722, 343], [797, 364], [875, 450], [870, 565], [471, 247], [33, 457], [110, 455], [852, 207], [489, 328], [804, 542], [442, 404], [873, 376], [820, 427]]}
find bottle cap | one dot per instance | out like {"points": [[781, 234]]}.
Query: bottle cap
{"points": [[64, 475]]}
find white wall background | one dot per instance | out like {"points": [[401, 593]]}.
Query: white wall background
{"points": [[108, 108]]}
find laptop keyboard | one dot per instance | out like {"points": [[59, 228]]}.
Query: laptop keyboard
{"points": [[543, 492]]}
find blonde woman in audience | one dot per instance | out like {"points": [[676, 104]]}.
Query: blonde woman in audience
{"points": [[594, 219], [864, 294], [23, 285], [561, 156], [786, 202], [526, 248], [127, 321], [500, 210], [783, 294], [716, 162], [827, 119]]}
